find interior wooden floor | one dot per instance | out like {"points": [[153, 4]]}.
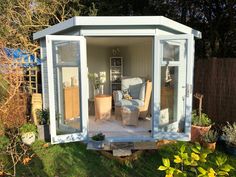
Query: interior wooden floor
{"points": [[115, 128]]}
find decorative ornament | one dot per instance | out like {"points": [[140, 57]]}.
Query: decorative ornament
{"points": [[116, 52], [168, 78]]}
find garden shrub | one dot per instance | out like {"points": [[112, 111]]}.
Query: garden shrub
{"points": [[13, 102], [194, 162], [229, 134], [12, 152]]}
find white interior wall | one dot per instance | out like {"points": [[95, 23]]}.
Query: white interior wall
{"points": [[98, 61], [138, 59]]}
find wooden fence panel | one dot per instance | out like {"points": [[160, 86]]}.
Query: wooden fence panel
{"points": [[216, 80]]}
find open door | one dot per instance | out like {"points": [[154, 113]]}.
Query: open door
{"points": [[67, 83], [172, 89]]}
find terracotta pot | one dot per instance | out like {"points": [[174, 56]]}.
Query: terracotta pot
{"points": [[197, 132], [210, 146]]}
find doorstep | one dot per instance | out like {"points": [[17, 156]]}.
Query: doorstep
{"points": [[121, 152], [110, 146]]}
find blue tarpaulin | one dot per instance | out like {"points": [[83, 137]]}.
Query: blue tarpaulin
{"points": [[24, 55]]}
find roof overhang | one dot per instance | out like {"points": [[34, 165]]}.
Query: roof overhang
{"points": [[117, 21]]}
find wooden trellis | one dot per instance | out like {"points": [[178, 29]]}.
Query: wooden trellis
{"points": [[31, 79], [30, 73]]}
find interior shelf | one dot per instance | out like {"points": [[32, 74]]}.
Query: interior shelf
{"points": [[116, 73]]}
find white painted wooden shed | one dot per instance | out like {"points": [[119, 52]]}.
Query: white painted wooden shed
{"points": [[151, 47]]}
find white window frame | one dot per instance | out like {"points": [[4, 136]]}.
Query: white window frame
{"points": [[55, 139], [157, 134]]}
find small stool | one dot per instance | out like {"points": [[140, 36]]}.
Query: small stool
{"points": [[102, 106], [130, 115]]}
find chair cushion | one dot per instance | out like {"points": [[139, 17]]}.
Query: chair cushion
{"points": [[134, 102], [127, 81], [133, 85], [142, 92], [135, 90]]}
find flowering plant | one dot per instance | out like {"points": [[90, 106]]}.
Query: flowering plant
{"points": [[95, 80]]}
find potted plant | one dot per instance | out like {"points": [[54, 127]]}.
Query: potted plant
{"points": [[98, 140], [96, 83], [200, 126], [28, 133], [229, 136], [43, 124], [209, 140], [201, 123]]}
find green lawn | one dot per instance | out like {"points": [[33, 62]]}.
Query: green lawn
{"points": [[73, 160]]}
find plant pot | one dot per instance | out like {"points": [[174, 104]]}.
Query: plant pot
{"points": [[43, 132], [210, 146], [97, 144], [231, 149], [28, 138], [197, 132]]}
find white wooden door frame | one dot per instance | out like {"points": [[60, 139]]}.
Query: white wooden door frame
{"points": [[157, 63], [84, 89]]}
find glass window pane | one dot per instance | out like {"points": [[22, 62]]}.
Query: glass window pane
{"points": [[170, 50], [172, 100], [169, 85], [66, 51], [68, 99]]}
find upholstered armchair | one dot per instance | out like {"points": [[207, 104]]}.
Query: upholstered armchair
{"points": [[139, 91]]}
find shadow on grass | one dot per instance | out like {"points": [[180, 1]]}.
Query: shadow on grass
{"points": [[77, 161], [73, 160], [34, 168], [70, 159]]}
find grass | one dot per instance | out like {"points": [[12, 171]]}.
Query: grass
{"points": [[73, 160]]}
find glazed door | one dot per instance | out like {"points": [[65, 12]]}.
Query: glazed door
{"points": [[67, 83], [172, 89]]}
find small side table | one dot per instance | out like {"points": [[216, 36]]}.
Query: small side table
{"points": [[103, 106]]}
